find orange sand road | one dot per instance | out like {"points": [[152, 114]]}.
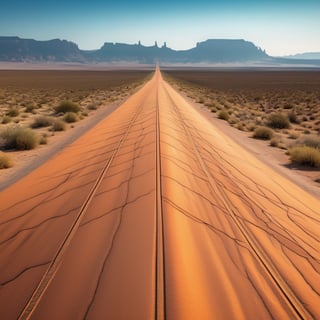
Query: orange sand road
{"points": [[155, 214]]}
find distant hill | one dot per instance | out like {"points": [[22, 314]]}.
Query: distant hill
{"points": [[214, 51], [17, 49], [306, 56], [210, 51]]}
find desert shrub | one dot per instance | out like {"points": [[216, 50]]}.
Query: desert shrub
{"points": [[92, 107], [58, 125], [305, 155], [13, 112], [41, 122], [200, 100], [294, 135], [20, 138], [293, 117], [223, 115], [288, 106], [263, 133], [240, 126], [275, 142], [6, 119], [30, 108], [311, 141], [43, 139], [67, 106], [5, 161], [278, 121], [70, 117]]}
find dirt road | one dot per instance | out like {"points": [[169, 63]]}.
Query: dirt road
{"points": [[155, 214]]}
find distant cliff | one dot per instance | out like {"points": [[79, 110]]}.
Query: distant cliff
{"points": [[210, 51], [16, 49], [306, 56]]}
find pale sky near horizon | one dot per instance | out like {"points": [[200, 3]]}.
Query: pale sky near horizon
{"points": [[280, 27]]}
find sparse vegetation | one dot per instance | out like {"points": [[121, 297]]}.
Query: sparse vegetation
{"points": [[223, 115], [92, 107], [293, 117], [305, 155], [263, 133], [30, 108], [312, 141], [67, 106], [13, 112], [278, 121], [58, 125], [5, 161], [43, 139], [41, 122], [294, 135], [6, 119], [70, 117], [19, 138], [275, 141], [262, 101]]}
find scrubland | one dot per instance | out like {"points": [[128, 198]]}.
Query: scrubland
{"points": [[35, 105], [280, 106]]}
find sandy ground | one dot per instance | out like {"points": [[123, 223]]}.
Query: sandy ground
{"points": [[156, 213], [73, 66], [276, 158], [26, 161]]}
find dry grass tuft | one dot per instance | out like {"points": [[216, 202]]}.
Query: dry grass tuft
{"points": [[70, 117], [278, 121], [67, 106], [305, 155], [58, 125], [19, 138], [262, 133], [223, 115], [41, 122], [5, 161]]}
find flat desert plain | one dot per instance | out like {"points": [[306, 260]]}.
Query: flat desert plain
{"points": [[156, 213], [29, 98]]}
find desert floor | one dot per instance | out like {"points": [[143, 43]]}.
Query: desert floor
{"points": [[155, 212]]}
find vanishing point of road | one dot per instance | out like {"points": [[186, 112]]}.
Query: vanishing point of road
{"points": [[155, 214]]}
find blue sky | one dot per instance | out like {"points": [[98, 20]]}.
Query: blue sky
{"points": [[279, 27]]}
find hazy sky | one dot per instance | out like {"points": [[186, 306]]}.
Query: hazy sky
{"points": [[280, 27]]}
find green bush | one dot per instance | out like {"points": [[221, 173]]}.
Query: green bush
{"points": [[41, 122], [58, 125], [305, 155], [67, 106], [70, 117], [278, 121], [19, 138], [263, 133], [5, 161], [223, 115]]}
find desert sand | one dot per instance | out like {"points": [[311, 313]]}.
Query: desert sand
{"points": [[155, 213]]}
